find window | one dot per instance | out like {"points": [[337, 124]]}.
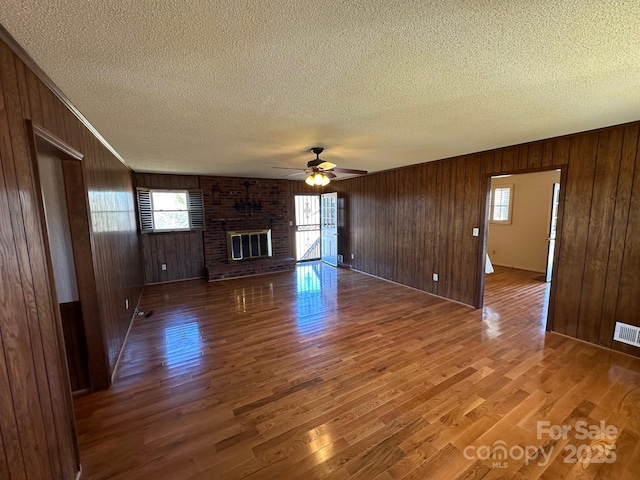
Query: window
{"points": [[501, 204], [170, 210]]}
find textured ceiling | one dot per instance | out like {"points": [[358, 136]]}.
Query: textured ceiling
{"points": [[233, 87]]}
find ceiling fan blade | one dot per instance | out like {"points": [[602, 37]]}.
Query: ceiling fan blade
{"points": [[330, 174], [294, 174], [288, 168], [349, 170], [327, 165]]}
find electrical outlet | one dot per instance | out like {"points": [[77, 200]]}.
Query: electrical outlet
{"points": [[435, 277], [353, 256], [126, 304], [164, 267], [291, 223]]}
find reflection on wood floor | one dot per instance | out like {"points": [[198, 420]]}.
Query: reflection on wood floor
{"points": [[327, 373]]}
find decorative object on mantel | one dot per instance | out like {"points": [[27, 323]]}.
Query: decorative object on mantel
{"points": [[248, 205], [275, 194], [320, 172], [216, 195]]}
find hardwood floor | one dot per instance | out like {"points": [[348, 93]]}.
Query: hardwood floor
{"points": [[327, 373]]}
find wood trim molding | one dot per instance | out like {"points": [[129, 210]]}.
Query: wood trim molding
{"points": [[44, 78], [53, 298], [54, 141], [126, 337], [481, 261], [84, 260], [406, 286], [564, 170]]}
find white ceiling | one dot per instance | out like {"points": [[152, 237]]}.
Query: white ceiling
{"points": [[233, 87]]}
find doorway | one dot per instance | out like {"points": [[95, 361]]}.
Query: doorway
{"points": [[316, 228], [64, 212], [307, 238], [522, 227], [58, 229]]}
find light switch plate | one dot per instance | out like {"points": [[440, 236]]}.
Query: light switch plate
{"points": [[435, 277], [476, 232]]}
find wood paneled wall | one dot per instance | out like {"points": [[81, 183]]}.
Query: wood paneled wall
{"points": [[36, 414], [406, 224], [182, 252]]}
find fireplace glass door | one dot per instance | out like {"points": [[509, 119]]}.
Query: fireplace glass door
{"points": [[249, 244]]}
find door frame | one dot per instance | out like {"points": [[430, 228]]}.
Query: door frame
{"points": [[555, 198], [485, 192], [295, 225], [41, 139]]}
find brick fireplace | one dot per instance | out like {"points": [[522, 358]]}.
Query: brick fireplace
{"points": [[245, 204]]}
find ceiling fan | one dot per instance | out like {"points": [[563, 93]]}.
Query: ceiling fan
{"points": [[320, 172]]}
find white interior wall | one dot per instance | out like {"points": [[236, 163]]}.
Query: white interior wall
{"points": [[55, 206], [522, 244]]}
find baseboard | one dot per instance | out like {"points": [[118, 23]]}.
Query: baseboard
{"points": [[414, 288], [517, 267], [174, 281], [610, 350], [81, 393], [250, 275], [126, 337]]}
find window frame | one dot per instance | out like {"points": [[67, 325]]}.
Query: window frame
{"points": [[509, 219], [186, 210], [146, 217]]}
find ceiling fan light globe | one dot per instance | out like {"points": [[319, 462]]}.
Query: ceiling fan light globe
{"points": [[325, 180], [310, 181], [318, 179]]}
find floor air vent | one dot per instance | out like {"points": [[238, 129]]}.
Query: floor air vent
{"points": [[628, 334]]}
